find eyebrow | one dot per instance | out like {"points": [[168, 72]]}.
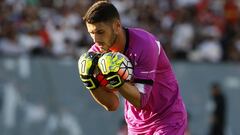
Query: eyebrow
{"points": [[95, 31]]}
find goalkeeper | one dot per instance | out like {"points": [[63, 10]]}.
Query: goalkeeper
{"points": [[153, 104]]}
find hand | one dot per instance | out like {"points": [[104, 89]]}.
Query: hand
{"points": [[109, 65], [86, 65]]}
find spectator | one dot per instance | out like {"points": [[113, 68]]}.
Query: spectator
{"points": [[209, 49], [218, 117], [183, 34], [233, 49], [61, 32]]}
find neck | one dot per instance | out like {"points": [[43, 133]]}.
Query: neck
{"points": [[120, 43]]}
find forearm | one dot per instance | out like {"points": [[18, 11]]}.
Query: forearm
{"points": [[131, 93], [109, 100]]}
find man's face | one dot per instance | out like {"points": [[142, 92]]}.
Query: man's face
{"points": [[104, 34]]}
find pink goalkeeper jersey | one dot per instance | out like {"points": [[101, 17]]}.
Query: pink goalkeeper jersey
{"points": [[161, 103]]}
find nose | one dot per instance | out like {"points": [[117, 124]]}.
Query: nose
{"points": [[95, 38]]}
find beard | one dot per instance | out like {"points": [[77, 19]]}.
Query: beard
{"points": [[111, 41]]}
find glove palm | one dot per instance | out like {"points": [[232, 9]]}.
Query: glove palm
{"points": [[86, 65], [109, 64]]}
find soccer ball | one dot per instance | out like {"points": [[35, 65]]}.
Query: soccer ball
{"points": [[126, 68], [122, 65]]}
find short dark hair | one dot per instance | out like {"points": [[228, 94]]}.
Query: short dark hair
{"points": [[216, 85], [101, 11]]}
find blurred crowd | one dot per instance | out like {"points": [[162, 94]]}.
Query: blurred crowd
{"points": [[191, 30]]}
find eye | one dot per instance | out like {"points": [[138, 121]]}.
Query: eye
{"points": [[100, 32]]}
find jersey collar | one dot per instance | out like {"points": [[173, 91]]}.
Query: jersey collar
{"points": [[127, 40]]}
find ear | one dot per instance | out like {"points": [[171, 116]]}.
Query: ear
{"points": [[117, 25]]}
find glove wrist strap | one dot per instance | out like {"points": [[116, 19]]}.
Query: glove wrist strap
{"points": [[115, 81]]}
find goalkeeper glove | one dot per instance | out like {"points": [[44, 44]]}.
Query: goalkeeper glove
{"points": [[86, 65], [109, 65]]}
